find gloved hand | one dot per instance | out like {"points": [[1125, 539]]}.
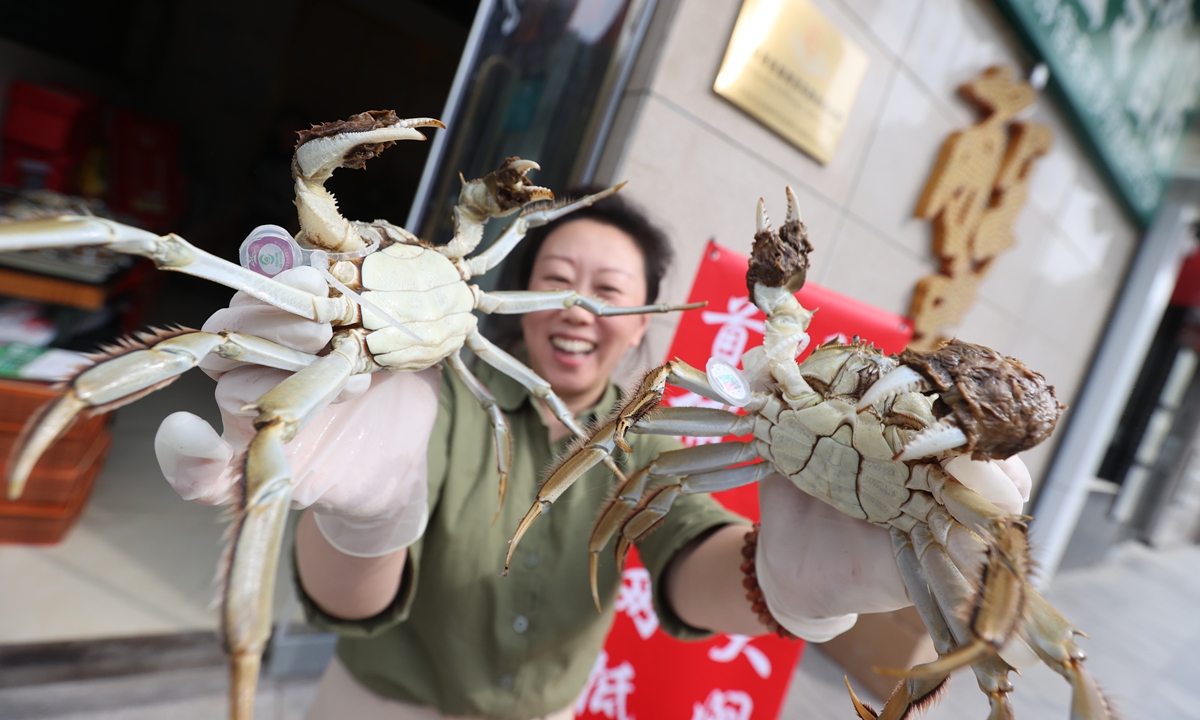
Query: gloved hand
{"points": [[819, 568], [360, 463]]}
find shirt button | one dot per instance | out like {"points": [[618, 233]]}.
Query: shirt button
{"points": [[507, 681], [521, 624], [531, 560]]}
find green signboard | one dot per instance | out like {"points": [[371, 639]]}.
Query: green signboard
{"points": [[1129, 70]]}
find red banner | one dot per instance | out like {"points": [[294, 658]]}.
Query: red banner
{"points": [[642, 672]]}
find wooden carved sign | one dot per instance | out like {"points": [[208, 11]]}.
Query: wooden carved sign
{"points": [[973, 196]]}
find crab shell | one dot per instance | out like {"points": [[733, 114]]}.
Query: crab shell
{"points": [[1001, 405]]}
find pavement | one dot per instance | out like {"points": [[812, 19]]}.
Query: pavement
{"points": [[1139, 606]]}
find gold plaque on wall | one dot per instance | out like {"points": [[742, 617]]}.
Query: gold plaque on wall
{"points": [[793, 71]]}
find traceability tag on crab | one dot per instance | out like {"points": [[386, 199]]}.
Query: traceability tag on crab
{"points": [[270, 250], [728, 381]]}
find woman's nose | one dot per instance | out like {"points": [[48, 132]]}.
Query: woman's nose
{"points": [[578, 316]]}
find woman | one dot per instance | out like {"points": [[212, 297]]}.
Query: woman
{"points": [[401, 555]]}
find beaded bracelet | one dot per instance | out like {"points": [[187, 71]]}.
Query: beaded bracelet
{"points": [[754, 593]]}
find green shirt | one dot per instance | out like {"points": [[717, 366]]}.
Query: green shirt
{"points": [[466, 641]]}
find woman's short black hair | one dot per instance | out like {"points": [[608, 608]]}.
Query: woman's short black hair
{"points": [[615, 211]]}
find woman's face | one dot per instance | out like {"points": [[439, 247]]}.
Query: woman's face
{"points": [[573, 349]]}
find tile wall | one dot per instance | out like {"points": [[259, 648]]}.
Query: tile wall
{"points": [[699, 165]]}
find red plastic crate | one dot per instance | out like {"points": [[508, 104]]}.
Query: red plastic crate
{"points": [[62, 480], [44, 119]]}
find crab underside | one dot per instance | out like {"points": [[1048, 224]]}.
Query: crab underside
{"points": [[863, 432]]}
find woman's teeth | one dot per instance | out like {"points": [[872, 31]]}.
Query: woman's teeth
{"points": [[572, 346]]}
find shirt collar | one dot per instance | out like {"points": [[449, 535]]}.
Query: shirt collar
{"points": [[511, 395]]}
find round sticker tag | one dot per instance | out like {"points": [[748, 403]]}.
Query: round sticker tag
{"points": [[727, 380], [270, 250]]}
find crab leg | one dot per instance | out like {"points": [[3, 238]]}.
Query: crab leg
{"points": [[996, 609], [913, 694], [706, 468], [518, 302], [503, 437], [1050, 635], [611, 519], [257, 531], [694, 421], [515, 232], [651, 511], [600, 445], [171, 252], [517, 370], [132, 371]]}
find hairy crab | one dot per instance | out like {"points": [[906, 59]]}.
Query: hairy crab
{"points": [[396, 303], [863, 432]]}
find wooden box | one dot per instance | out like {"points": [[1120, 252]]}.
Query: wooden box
{"points": [[60, 483]]}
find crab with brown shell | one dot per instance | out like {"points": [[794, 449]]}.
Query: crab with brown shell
{"points": [[865, 433]]}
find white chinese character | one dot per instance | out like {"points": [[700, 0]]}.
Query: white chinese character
{"points": [[691, 399], [736, 325], [740, 645], [724, 705], [607, 690], [636, 600]]}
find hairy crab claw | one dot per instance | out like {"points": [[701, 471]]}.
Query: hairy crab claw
{"points": [[988, 405], [503, 191], [344, 143], [779, 259]]}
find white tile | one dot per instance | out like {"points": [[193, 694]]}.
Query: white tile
{"points": [[890, 21], [698, 185], [1081, 273], [688, 68], [871, 268], [91, 593], [953, 42], [897, 165], [1012, 273], [986, 324], [1054, 173]]}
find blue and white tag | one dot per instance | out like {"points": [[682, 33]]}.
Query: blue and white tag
{"points": [[270, 250], [728, 381]]}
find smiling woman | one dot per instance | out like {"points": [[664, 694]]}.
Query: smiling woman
{"points": [[609, 251], [572, 348]]}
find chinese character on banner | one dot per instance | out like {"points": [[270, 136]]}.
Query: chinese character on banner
{"points": [[607, 691], [636, 601], [738, 646], [729, 677], [724, 705]]}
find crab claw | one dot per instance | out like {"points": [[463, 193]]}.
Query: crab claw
{"points": [[350, 143], [501, 192], [933, 440], [901, 380], [793, 212], [998, 404], [763, 223], [344, 143]]}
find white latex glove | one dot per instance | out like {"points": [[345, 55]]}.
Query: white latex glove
{"points": [[819, 568], [360, 463]]}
